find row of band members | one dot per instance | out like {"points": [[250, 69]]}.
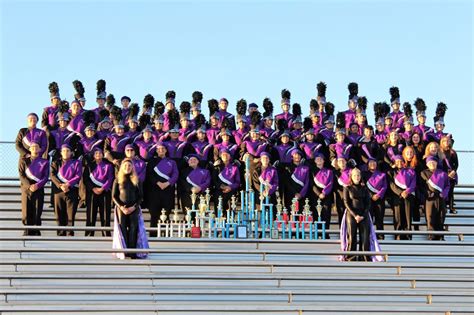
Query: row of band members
{"points": [[424, 178]]}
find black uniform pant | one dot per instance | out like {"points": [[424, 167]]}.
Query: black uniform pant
{"points": [[452, 183], [339, 194], [364, 236], [158, 200], [31, 209], [435, 215], [377, 211], [101, 204], [129, 227], [65, 207], [402, 213]]}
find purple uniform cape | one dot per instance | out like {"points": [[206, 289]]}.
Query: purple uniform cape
{"points": [[266, 132], [102, 175], [212, 134], [62, 137], [349, 116], [439, 182], [202, 149], [88, 144], [287, 116], [119, 241], [167, 170], [377, 184], [227, 145], [34, 135], [146, 149], [324, 180], [51, 112], [70, 172], [239, 135], [230, 176], [381, 137], [284, 155], [398, 119], [300, 176], [159, 135], [424, 131], [37, 171], [199, 177], [254, 148], [77, 124], [140, 168], [354, 138], [269, 176], [374, 244], [175, 148], [406, 179], [344, 178], [310, 149], [327, 134], [185, 134]]}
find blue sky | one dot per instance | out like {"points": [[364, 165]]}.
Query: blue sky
{"points": [[249, 49]]}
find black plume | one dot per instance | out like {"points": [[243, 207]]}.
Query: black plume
{"points": [[116, 112], [110, 100], [407, 110], [103, 113], [200, 121], [197, 97], [185, 107], [158, 109], [225, 124], [268, 107], [385, 109], [313, 105], [362, 103], [285, 94], [100, 86], [173, 117], [341, 120], [170, 94], [378, 110], [133, 110], [88, 117], [63, 106], [394, 93], [353, 89], [420, 105], [241, 107], [213, 106], [329, 108], [53, 88], [307, 124], [441, 109], [79, 88], [296, 110], [148, 101], [321, 89], [144, 120], [255, 118], [282, 124]]}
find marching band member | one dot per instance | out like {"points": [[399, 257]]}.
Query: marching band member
{"points": [[265, 175], [295, 179], [322, 189], [31, 134], [421, 128], [396, 114], [452, 163], [349, 115], [192, 179], [225, 178], [285, 106], [48, 119], [376, 182]]}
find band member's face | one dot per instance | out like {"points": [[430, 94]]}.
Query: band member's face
{"points": [[268, 123], [388, 121], [355, 176], [223, 105], [372, 165], [409, 154], [100, 102], [379, 127], [225, 137], [445, 143], [34, 149], [341, 163], [32, 121], [125, 103], [421, 120], [55, 101], [158, 125], [252, 109], [98, 155], [285, 139], [360, 118], [161, 150], [106, 125], [195, 112], [398, 163], [225, 157], [75, 108], [296, 158], [319, 161], [89, 133], [174, 135], [147, 134], [340, 137], [408, 126], [265, 160], [415, 138], [396, 107], [315, 119], [127, 167], [432, 165], [132, 124], [214, 121], [63, 123], [439, 127], [184, 123], [310, 137], [297, 126], [352, 105], [354, 129], [130, 153], [83, 103], [193, 162], [368, 133], [241, 124], [393, 137], [201, 135], [169, 106], [66, 153], [285, 107], [119, 131], [254, 135], [329, 125]]}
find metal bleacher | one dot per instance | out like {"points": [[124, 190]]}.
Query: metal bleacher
{"points": [[71, 275]]}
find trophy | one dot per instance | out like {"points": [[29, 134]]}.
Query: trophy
{"points": [[175, 216], [193, 199], [319, 209], [163, 216], [306, 209]]}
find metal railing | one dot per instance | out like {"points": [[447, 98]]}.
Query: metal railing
{"points": [[9, 163]]}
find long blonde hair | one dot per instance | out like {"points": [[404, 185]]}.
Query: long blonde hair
{"points": [[440, 154], [121, 176]]}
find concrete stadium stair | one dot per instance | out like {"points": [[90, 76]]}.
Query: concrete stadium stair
{"points": [[78, 275]]}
